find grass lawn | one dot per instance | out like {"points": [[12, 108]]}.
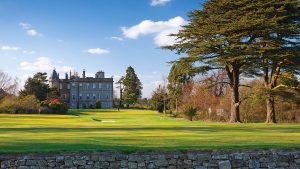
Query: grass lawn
{"points": [[132, 130]]}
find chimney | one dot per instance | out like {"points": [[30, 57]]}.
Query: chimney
{"points": [[83, 73]]}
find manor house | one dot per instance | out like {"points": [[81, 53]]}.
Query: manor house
{"points": [[82, 92]]}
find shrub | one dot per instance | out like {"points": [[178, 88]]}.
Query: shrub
{"points": [[19, 105], [9, 104], [98, 104], [56, 106], [28, 104], [190, 112]]}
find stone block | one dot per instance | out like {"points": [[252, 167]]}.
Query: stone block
{"points": [[161, 163], [132, 165], [224, 164], [220, 157]]}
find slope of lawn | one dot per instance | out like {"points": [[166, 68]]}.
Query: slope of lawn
{"points": [[135, 130]]}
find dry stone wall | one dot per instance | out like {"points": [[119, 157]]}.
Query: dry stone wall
{"points": [[272, 159]]}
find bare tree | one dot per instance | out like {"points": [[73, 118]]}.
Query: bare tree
{"points": [[8, 85]]}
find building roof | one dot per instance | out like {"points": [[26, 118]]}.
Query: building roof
{"points": [[91, 79]]}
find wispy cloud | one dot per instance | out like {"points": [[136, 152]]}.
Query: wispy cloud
{"points": [[43, 64], [33, 32], [10, 48], [25, 25], [117, 38], [159, 2], [160, 30], [29, 52], [29, 30], [97, 51]]}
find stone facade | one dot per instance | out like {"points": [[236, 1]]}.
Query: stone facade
{"points": [[272, 159], [82, 92]]}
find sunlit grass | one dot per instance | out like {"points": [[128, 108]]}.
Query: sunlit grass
{"points": [[135, 130]]}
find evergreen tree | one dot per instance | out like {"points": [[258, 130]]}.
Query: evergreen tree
{"points": [[37, 86], [132, 87], [244, 37], [219, 37], [277, 44]]}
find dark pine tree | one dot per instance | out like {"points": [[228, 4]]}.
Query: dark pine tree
{"points": [[132, 87], [37, 86]]}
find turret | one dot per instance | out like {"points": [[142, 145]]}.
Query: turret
{"points": [[83, 73]]}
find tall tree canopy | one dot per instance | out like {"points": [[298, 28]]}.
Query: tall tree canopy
{"points": [[219, 37], [132, 87], [242, 37], [277, 43], [37, 86]]}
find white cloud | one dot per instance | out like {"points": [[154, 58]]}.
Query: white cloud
{"points": [[33, 32], [9, 48], [98, 51], [159, 2], [25, 25], [43, 64], [29, 30], [160, 30], [117, 38], [29, 52]]}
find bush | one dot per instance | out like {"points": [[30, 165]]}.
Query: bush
{"points": [[29, 104], [190, 112], [91, 106], [55, 106], [19, 105], [9, 104], [98, 104]]}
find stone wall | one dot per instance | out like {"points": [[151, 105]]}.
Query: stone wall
{"points": [[273, 159]]}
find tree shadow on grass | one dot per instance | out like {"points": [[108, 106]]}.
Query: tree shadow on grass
{"points": [[208, 130], [42, 147]]}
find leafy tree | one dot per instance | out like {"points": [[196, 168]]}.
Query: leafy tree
{"points": [[157, 99], [37, 86], [219, 37], [132, 87], [179, 75]]}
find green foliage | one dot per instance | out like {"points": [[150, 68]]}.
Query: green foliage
{"points": [[19, 105], [179, 75], [289, 80], [190, 112], [98, 104], [157, 99], [132, 87], [242, 37], [53, 93], [37, 85]]}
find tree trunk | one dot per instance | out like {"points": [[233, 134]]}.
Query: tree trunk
{"points": [[270, 110], [176, 104], [235, 106], [235, 97]]}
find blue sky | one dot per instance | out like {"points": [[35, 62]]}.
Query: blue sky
{"points": [[108, 35]]}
